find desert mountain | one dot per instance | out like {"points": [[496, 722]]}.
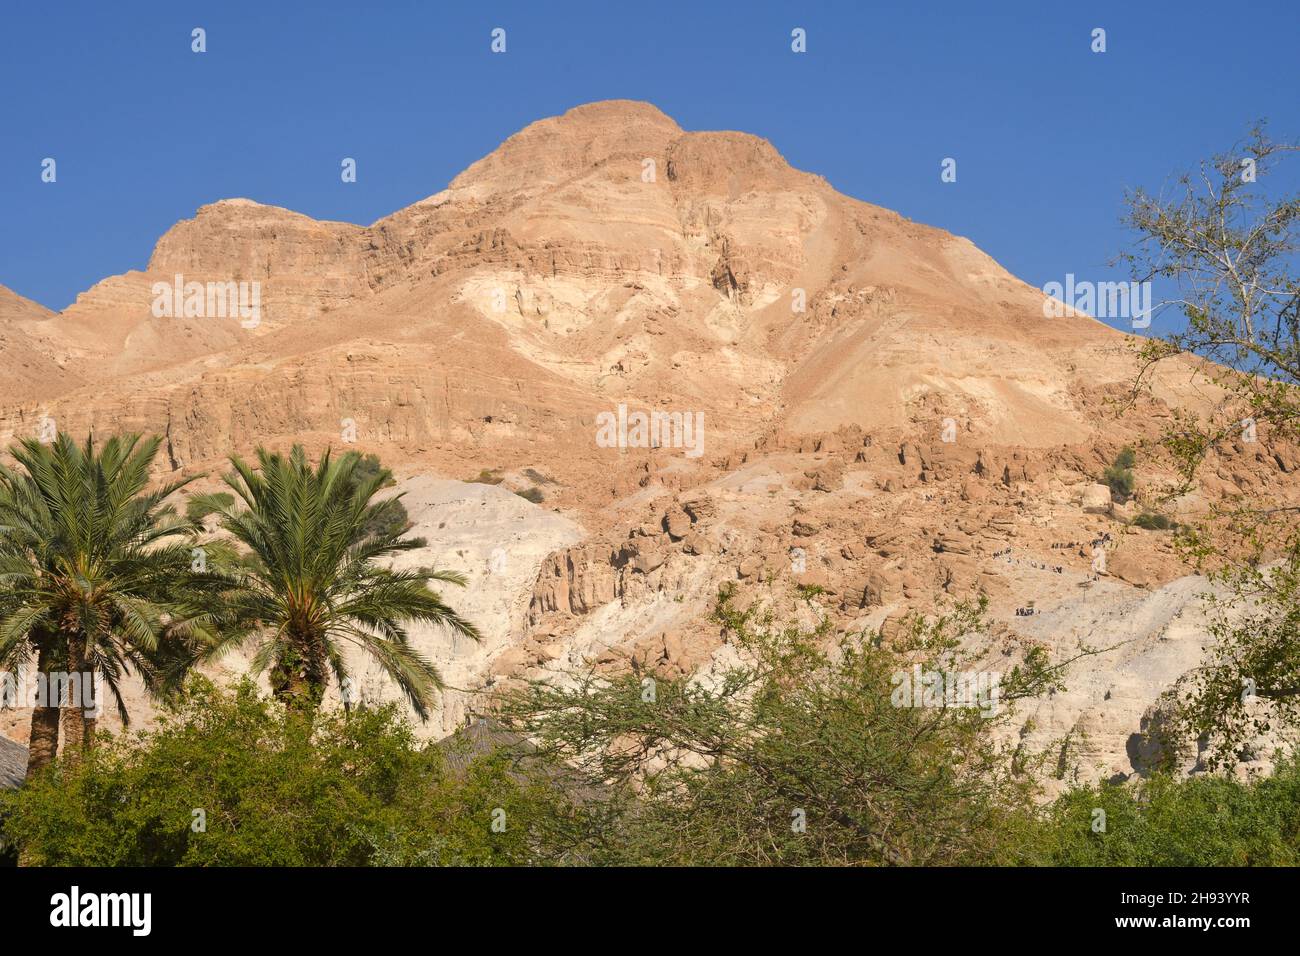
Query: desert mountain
{"points": [[33, 363], [887, 414]]}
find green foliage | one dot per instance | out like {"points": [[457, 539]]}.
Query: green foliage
{"points": [[1166, 821], [390, 517], [94, 562], [1153, 521], [1225, 243], [796, 754], [368, 467], [8, 849], [1248, 688], [1119, 475], [343, 790], [319, 581], [534, 494], [196, 509], [486, 477]]}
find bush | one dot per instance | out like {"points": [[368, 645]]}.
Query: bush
{"points": [[368, 467], [1153, 521], [534, 494], [796, 754], [391, 518], [273, 790], [8, 852], [1119, 476], [1167, 821]]}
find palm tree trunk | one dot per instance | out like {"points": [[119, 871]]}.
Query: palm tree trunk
{"points": [[89, 723], [74, 714], [297, 684], [296, 692], [43, 743]]}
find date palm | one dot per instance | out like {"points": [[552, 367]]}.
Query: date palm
{"points": [[96, 577], [315, 582]]}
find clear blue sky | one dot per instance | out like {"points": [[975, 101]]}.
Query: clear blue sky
{"points": [[1046, 134]]}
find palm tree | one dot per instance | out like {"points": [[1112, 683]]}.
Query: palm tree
{"points": [[21, 536], [312, 583], [97, 576]]}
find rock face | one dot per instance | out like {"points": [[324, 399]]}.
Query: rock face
{"points": [[13, 764], [307, 268], [33, 367], [595, 257], [575, 581], [708, 367]]}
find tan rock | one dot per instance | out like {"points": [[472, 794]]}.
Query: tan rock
{"points": [[677, 523], [1095, 498]]}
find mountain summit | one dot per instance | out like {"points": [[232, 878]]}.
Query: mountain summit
{"points": [[600, 254]]}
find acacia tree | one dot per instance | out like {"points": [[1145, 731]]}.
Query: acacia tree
{"points": [[799, 752], [1227, 245], [312, 583]]}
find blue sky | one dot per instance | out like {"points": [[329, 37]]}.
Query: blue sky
{"points": [[1047, 135]]}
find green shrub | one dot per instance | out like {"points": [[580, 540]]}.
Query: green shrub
{"points": [[808, 757], [273, 790], [534, 494], [795, 734], [1168, 821], [1119, 476], [8, 852], [368, 467], [1153, 521], [391, 517]]}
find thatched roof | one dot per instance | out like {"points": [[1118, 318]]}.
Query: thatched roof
{"points": [[13, 763], [482, 737]]}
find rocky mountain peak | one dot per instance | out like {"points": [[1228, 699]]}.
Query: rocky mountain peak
{"points": [[554, 150]]}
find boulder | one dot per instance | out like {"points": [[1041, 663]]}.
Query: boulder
{"points": [[1095, 499], [677, 523]]}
